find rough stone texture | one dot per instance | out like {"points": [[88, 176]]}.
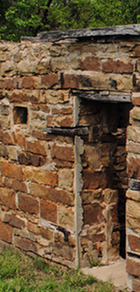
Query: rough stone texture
{"points": [[68, 84]]}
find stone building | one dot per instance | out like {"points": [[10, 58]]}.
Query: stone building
{"points": [[70, 146]]}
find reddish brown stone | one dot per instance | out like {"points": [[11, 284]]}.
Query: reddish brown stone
{"points": [[133, 267], [64, 110], [11, 170], [71, 81], [114, 213], [118, 66], [25, 244], [37, 147], [63, 163], [93, 214], [28, 204], [49, 211], [49, 80], [136, 285], [20, 96], [39, 135], [51, 194], [134, 242], [6, 232], [20, 139], [63, 153], [91, 64], [7, 138], [94, 180], [14, 221], [15, 184], [28, 82], [9, 83], [7, 198], [133, 167], [44, 107], [31, 159], [33, 228]]}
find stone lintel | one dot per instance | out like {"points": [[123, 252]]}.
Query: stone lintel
{"points": [[102, 96], [70, 132], [132, 30]]}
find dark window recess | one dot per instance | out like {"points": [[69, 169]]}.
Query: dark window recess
{"points": [[20, 115]]}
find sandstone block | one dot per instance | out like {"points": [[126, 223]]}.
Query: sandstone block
{"points": [[136, 285], [40, 176], [134, 195], [93, 214], [6, 232], [134, 224], [110, 196], [57, 96], [28, 204], [15, 184], [12, 152], [89, 196], [11, 170], [135, 116], [133, 147], [14, 221], [133, 166], [133, 134], [133, 267], [37, 147], [66, 217], [63, 152], [117, 66], [47, 233], [3, 151], [134, 242], [65, 179], [29, 82], [6, 138], [51, 194], [33, 228], [92, 156], [25, 244], [62, 110], [94, 180], [48, 211], [20, 139], [25, 95], [136, 98], [133, 209], [90, 64], [49, 80], [7, 198], [57, 121]]}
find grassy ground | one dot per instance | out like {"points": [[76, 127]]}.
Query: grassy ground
{"points": [[19, 273]]}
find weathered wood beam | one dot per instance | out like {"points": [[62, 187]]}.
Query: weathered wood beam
{"points": [[123, 30], [70, 132], [104, 96]]}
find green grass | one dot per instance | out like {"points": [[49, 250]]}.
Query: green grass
{"points": [[20, 273]]}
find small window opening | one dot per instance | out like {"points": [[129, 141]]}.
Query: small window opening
{"points": [[20, 115]]}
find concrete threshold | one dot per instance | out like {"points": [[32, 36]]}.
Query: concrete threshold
{"points": [[115, 273]]}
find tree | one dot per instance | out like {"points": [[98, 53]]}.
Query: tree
{"points": [[28, 17]]}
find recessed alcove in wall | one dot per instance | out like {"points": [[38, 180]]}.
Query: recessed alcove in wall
{"points": [[20, 115], [105, 178]]}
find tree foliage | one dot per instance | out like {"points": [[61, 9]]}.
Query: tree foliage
{"points": [[28, 17]]}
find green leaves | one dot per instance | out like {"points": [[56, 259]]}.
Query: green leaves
{"points": [[28, 17]]}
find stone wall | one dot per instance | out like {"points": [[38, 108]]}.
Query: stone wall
{"points": [[64, 109]]}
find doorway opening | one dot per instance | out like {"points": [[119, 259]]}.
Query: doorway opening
{"points": [[105, 179]]}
